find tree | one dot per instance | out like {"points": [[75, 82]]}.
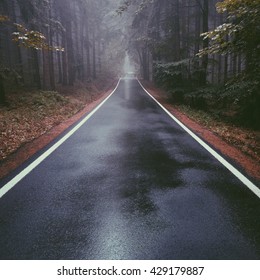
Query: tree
{"points": [[205, 28], [240, 34], [29, 39], [30, 30]]}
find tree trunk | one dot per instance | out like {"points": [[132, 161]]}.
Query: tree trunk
{"points": [[177, 37], [64, 62], [51, 56], [2, 92], [234, 64], [226, 68], [46, 70], [71, 60], [219, 69], [88, 66], [94, 73], [59, 63], [197, 30], [239, 66], [36, 69], [205, 28], [99, 57]]}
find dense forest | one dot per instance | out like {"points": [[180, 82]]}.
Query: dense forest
{"points": [[49, 42], [204, 52]]}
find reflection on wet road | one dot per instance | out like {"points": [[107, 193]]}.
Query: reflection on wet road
{"points": [[130, 184]]}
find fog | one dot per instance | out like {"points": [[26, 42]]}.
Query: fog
{"points": [[63, 42], [128, 66]]}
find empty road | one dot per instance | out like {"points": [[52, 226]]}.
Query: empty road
{"points": [[130, 183]]}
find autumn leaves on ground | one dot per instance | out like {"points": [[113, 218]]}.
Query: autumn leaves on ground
{"points": [[31, 115], [33, 119]]}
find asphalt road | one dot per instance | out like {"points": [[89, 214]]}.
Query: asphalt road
{"points": [[130, 184]]}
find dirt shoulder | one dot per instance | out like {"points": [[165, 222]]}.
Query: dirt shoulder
{"points": [[239, 144], [24, 132], [29, 125]]}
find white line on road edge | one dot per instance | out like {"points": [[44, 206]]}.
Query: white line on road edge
{"points": [[230, 167], [8, 186]]}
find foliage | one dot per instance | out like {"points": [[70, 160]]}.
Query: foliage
{"points": [[181, 74], [240, 34], [242, 94], [32, 39], [238, 100], [4, 18], [10, 75], [29, 38], [168, 75], [7, 73], [124, 7], [239, 90]]}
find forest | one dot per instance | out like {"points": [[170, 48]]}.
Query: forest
{"points": [[204, 53], [44, 43], [129, 130]]}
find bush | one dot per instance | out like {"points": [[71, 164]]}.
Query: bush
{"points": [[243, 96], [202, 98], [238, 100], [173, 74], [176, 95]]}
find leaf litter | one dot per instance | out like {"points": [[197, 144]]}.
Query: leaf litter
{"points": [[30, 115]]}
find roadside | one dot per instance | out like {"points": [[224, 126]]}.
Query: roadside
{"points": [[34, 119], [239, 144]]}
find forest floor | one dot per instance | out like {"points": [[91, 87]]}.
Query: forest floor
{"points": [[34, 119], [239, 144]]}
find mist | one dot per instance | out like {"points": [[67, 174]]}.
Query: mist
{"points": [[52, 43]]}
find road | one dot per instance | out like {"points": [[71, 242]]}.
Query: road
{"points": [[130, 183]]}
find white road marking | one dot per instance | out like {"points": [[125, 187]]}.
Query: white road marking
{"points": [[8, 186], [230, 167]]}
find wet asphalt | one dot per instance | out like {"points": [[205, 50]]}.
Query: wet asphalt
{"points": [[130, 184]]}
